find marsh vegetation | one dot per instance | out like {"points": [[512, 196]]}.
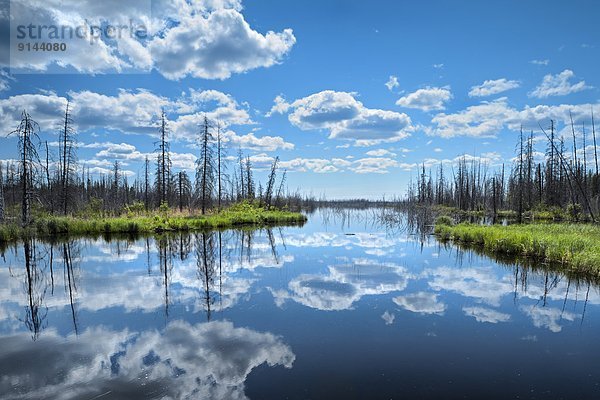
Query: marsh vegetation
{"points": [[46, 192]]}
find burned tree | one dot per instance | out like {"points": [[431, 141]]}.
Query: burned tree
{"points": [[279, 194], [163, 162], [271, 183], [67, 158], [27, 134], [48, 180], [249, 179], [594, 137], [1, 194], [184, 189], [242, 186], [205, 167], [115, 184], [219, 165], [146, 183]]}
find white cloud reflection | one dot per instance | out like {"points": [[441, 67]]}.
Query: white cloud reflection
{"points": [[210, 360], [344, 285], [421, 302]]}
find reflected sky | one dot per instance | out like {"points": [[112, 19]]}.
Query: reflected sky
{"points": [[342, 307], [206, 360]]}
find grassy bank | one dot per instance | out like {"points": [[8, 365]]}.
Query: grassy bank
{"points": [[555, 214], [574, 246], [238, 215]]}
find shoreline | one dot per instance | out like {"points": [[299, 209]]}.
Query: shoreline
{"points": [[49, 227], [574, 247]]}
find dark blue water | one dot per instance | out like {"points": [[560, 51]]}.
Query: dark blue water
{"points": [[340, 308]]}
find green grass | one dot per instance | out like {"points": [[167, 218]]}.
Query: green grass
{"points": [[539, 214], [575, 247], [235, 216]]}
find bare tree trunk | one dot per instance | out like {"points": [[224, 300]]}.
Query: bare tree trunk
{"points": [[180, 184], [64, 162], [249, 179], [26, 132], [574, 142], [48, 183], [25, 181], [271, 182], [242, 184], [280, 190], [585, 171], [494, 203], [520, 206], [595, 147], [146, 183], [205, 161], [219, 166], [163, 194], [2, 216]]}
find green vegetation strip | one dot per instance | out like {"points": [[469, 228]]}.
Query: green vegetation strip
{"points": [[575, 246], [233, 217]]}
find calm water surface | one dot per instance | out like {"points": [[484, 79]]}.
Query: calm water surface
{"points": [[340, 308]]}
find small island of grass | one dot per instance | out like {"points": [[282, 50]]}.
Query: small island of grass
{"points": [[237, 215]]}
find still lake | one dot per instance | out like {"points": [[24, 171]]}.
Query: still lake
{"points": [[343, 307]]}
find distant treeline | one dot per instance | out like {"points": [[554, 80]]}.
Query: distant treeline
{"points": [[566, 181], [54, 182]]}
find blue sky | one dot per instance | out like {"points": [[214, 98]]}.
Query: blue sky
{"points": [[351, 95]]}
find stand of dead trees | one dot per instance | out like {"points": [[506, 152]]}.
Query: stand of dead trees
{"points": [[553, 180], [49, 179]]}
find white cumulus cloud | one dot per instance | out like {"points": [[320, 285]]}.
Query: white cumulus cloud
{"points": [[345, 117], [558, 85], [427, 99], [203, 39], [490, 87]]}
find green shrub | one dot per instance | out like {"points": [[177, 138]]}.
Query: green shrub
{"points": [[444, 220]]}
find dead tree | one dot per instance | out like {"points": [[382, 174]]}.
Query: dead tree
{"points": [[571, 175], [67, 158], [279, 195], [271, 182], [48, 180], [219, 193], [146, 183], [574, 141], [520, 182], [1, 194], [184, 187], [116, 181], [204, 167], [27, 134], [163, 167], [242, 191], [494, 200], [552, 170], [249, 179], [595, 147]]}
